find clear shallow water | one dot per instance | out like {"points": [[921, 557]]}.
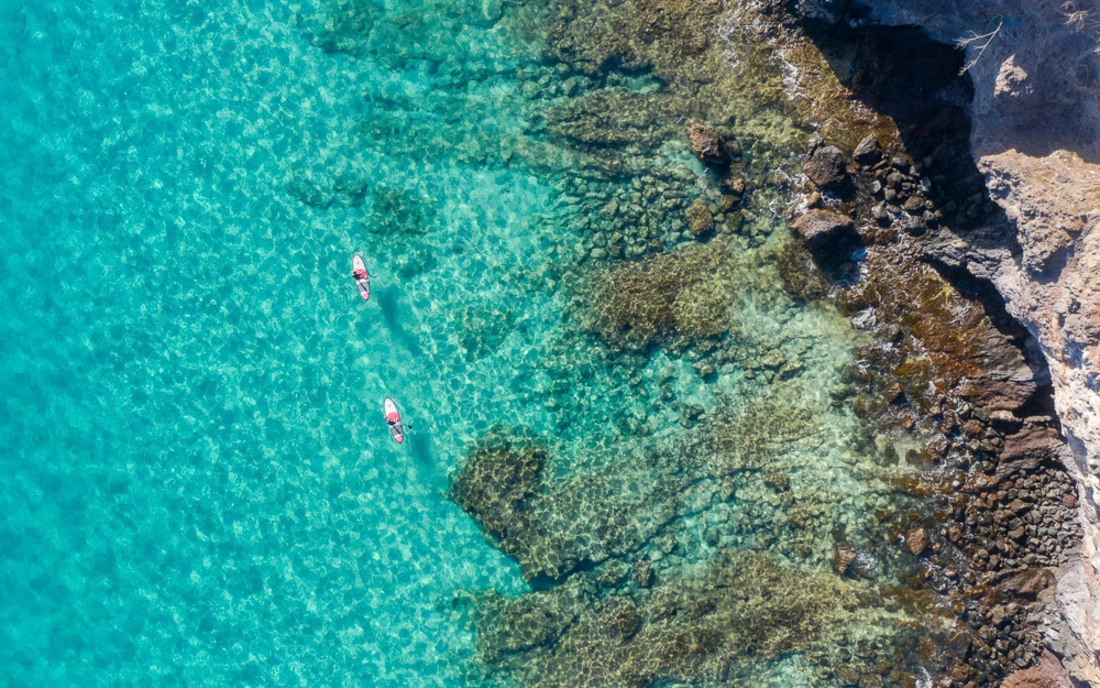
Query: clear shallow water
{"points": [[197, 487]]}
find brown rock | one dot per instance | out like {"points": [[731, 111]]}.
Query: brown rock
{"points": [[826, 168], [913, 204], [1049, 673], [733, 185], [642, 573], [818, 226], [1028, 583], [868, 152], [843, 556], [917, 541], [708, 146], [895, 396], [973, 428]]}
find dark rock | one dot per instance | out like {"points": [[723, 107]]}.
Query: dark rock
{"points": [[826, 168], [818, 226], [868, 152], [895, 396], [708, 146], [642, 573], [622, 617]]}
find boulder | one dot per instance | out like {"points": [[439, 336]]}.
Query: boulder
{"points": [[917, 541], [868, 152], [1028, 583], [819, 226], [699, 218], [1048, 673], [708, 146], [826, 168]]}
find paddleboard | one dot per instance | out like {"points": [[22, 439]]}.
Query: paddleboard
{"points": [[357, 264], [393, 421]]}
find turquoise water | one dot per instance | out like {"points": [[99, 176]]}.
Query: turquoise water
{"points": [[197, 487]]}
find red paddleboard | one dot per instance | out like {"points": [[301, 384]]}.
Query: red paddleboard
{"points": [[361, 276], [393, 420]]}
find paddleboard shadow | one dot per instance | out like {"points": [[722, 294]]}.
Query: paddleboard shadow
{"points": [[387, 304]]}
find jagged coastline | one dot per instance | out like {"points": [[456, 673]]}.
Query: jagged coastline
{"points": [[1036, 115]]}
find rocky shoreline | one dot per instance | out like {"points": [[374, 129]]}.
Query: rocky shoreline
{"points": [[959, 562], [1041, 244]]}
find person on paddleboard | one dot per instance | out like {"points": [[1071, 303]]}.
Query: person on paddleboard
{"points": [[361, 276], [393, 420]]}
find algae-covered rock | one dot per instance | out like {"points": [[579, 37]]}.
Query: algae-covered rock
{"points": [[700, 219], [553, 528], [496, 482], [668, 296], [704, 628], [396, 212]]}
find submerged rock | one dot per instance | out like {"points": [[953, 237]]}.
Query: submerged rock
{"points": [[743, 608], [819, 226], [699, 218]]}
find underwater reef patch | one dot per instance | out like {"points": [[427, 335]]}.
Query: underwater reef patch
{"points": [[707, 627], [668, 296]]}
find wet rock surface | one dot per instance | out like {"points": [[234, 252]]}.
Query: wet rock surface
{"points": [[708, 146], [826, 167], [1034, 140], [820, 226]]}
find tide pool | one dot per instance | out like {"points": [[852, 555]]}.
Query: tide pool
{"points": [[198, 487]]}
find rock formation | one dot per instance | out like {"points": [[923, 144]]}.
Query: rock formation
{"points": [[819, 226], [1036, 139]]}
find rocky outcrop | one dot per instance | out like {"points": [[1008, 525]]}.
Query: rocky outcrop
{"points": [[826, 168], [1036, 140], [708, 146], [819, 226]]}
